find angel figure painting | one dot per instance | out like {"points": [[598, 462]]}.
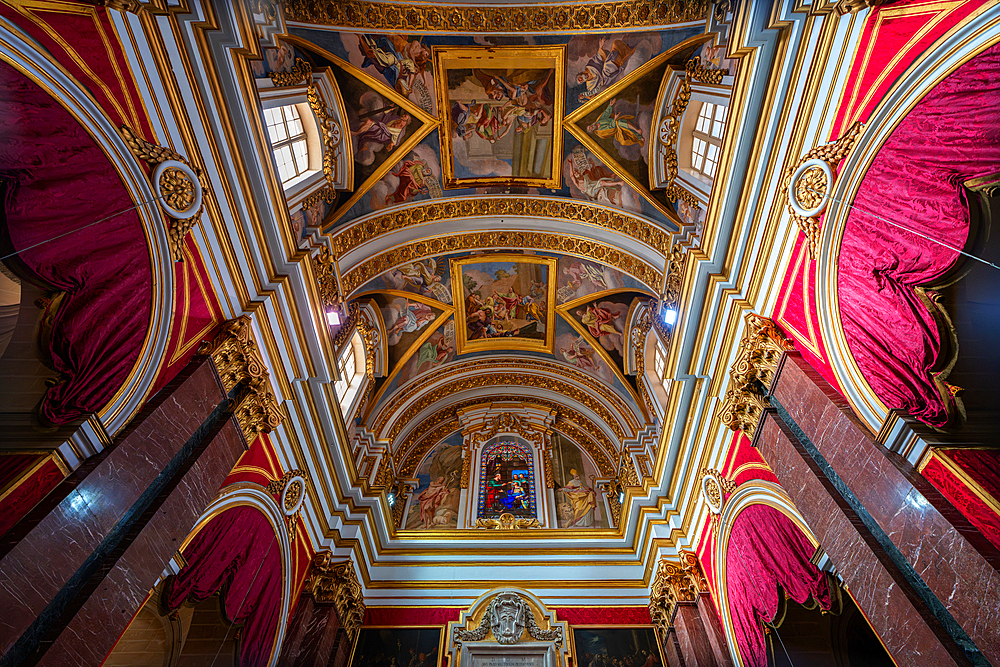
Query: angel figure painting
{"points": [[426, 277], [502, 109], [507, 301]]}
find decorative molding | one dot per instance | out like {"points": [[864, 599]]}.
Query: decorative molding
{"points": [[333, 138], [324, 194], [611, 490], [301, 72], [368, 15], [291, 492], [507, 618], [331, 581], [673, 583], [750, 375], [854, 6], [507, 521], [715, 489], [626, 471], [697, 71], [507, 422], [637, 339], [439, 245], [237, 360], [178, 184], [809, 182], [557, 209]]}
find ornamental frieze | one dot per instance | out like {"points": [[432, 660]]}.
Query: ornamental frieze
{"points": [[556, 209], [370, 16], [586, 248]]}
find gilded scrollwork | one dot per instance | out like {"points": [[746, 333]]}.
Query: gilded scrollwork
{"points": [[334, 144], [177, 184], [382, 262], [750, 375], [326, 278], [301, 72], [238, 361], [608, 16], [507, 521]]}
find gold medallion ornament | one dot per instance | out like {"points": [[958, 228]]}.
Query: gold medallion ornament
{"points": [[761, 348], [507, 521], [809, 182], [372, 16], [177, 184]]}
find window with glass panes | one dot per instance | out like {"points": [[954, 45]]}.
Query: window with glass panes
{"points": [[706, 142], [288, 140]]}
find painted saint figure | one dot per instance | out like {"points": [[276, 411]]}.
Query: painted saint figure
{"points": [[599, 184], [397, 60], [411, 181], [430, 499], [618, 126], [604, 68], [384, 133], [581, 497]]}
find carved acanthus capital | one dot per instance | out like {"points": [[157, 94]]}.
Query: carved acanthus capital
{"points": [[334, 581], [760, 350], [238, 361], [675, 582]]}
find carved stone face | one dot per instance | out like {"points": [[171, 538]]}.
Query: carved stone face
{"points": [[508, 619]]}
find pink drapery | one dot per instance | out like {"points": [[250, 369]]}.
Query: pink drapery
{"points": [[951, 135], [56, 179], [236, 555], [767, 554]]}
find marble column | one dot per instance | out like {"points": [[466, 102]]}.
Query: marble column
{"points": [[941, 550]]}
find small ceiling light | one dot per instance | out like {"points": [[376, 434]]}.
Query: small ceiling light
{"points": [[391, 499], [670, 316], [621, 497], [333, 318]]}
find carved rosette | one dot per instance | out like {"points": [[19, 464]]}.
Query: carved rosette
{"points": [[715, 489], [760, 350], [301, 72], [675, 582], [237, 360], [178, 186], [291, 492], [333, 581], [809, 182], [507, 617]]}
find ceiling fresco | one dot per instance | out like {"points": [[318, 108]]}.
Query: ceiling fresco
{"points": [[453, 308], [438, 116]]}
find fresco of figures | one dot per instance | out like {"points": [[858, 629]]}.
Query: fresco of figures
{"points": [[504, 297], [503, 111], [416, 177], [604, 319], [619, 646], [578, 351], [405, 320], [398, 647], [578, 504], [437, 350], [590, 180], [434, 503], [579, 278]]}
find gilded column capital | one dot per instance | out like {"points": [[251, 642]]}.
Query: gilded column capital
{"points": [[675, 582], [760, 350], [238, 361], [335, 582]]}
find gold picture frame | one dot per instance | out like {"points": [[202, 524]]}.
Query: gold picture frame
{"points": [[511, 110], [502, 338]]}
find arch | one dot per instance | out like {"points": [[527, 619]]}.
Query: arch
{"points": [[746, 495], [253, 497], [941, 60], [77, 101]]}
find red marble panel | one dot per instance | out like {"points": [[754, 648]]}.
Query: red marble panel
{"points": [[311, 638], [713, 630], [37, 566], [93, 631], [910, 633], [953, 558], [691, 636]]}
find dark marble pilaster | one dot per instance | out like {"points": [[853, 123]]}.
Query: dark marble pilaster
{"points": [[93, 631], [910, 632], [672, 649], [54, 540], [698, 633], [959, 566]]}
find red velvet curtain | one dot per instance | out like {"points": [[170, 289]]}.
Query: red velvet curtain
{"points": [[56, 179], [951, 135], [767, 554], [238, 555]]}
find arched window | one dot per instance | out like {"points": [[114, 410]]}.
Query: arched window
{"points": [[351, 368], [288, 141], [706, 141]]}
